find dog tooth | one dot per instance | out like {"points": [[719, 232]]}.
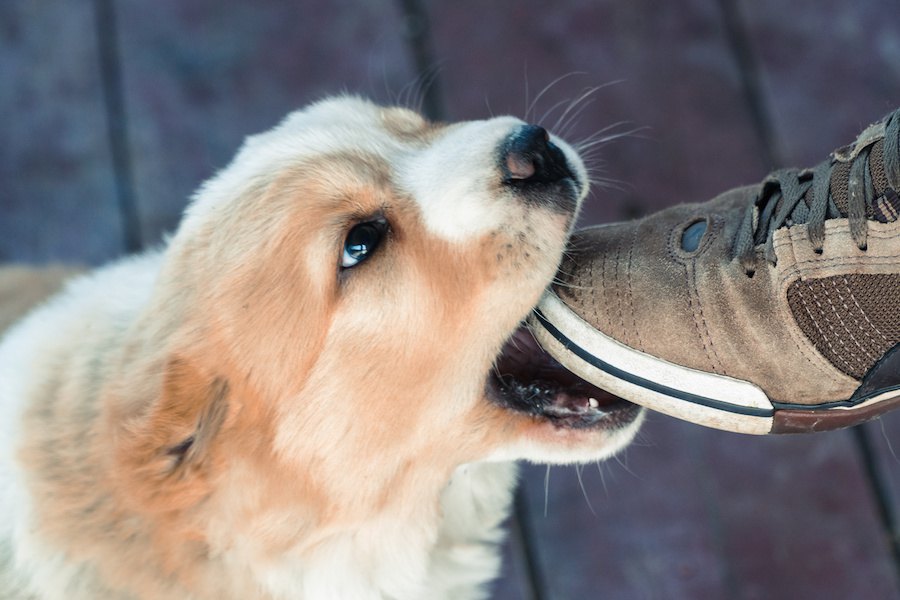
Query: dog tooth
{"points": [[593, 402]]}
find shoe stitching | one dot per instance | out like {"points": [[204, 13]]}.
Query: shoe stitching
{"points": [[821, 331], [852, 356], [670, 248], [796, 270], [689, 264], [628, 272], [814, 358], [867, 353], [721, 365], [694, 313], [607, 314], [863, 313], [711, 358], [621, 318], [592, 294], [877, 348], [790, 239], [801, 342], [842, 260], [813, 355], [892, 230], [784, 192], [806, 354]]}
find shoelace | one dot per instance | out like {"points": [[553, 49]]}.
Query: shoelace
{"points": [[778, 202]]}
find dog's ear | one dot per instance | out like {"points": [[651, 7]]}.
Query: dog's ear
{"points": [[167, 455]]}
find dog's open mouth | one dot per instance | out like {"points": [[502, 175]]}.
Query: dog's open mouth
{"points": [[527, 379]]}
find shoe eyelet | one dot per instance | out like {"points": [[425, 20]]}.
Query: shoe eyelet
{"points": [[692, 236]]}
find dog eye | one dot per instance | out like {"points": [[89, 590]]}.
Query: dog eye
{"points": [[362, 241]]}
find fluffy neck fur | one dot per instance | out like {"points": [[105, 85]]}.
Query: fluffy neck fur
{"points": [[67, 516]]}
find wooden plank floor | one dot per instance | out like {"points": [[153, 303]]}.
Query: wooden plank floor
{"points": [[108, 101]]}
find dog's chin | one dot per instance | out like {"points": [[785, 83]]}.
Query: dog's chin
{"points": [[589, 421]]}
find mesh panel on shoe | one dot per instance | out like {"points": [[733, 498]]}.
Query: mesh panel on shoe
{"points": [[851, 319], [876, 168], [840, 177]]}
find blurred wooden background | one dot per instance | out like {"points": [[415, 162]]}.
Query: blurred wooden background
{"points": [[113, 111]]}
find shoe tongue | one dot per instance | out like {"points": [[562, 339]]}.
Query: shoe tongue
{"points": [[883, 205]]}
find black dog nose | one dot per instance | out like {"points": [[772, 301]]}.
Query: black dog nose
{"points": [[528, 156]]}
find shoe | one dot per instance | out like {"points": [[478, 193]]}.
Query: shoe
{"points": [[769, 309]]}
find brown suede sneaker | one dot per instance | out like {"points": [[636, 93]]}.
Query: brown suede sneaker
{"points": [[769, 309]]}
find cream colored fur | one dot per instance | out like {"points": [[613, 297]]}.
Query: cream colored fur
{"points": [[233, 416]]}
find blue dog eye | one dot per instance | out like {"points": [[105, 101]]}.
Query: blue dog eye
{"points": [[362, 241]]}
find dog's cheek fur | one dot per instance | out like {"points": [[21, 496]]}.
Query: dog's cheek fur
{"points": [[399, 394], [166, 458]]}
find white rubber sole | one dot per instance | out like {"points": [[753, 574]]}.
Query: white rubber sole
{"points": [[699, 397]]}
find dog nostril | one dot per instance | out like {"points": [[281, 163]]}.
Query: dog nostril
{"points": [[529, 155], [520, 166]]}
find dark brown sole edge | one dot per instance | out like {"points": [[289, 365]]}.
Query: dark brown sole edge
{"points": [[812, 421]]}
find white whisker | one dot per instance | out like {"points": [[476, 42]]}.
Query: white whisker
{"points": [[583, 490], [546, 491], [576, 108], [887, 440], [547, 88], [550, 110], [602, 478]]}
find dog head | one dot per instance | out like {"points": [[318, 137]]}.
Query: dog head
{"points": [[337, 320]]}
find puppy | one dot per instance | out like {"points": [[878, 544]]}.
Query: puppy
{"points": [[315, 389]]}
